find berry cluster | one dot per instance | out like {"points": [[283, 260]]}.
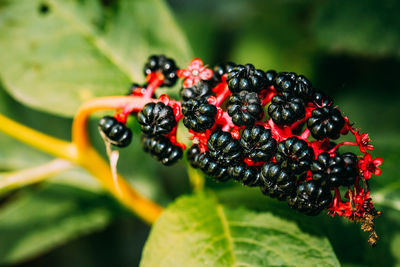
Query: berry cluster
{"points": [[262, 128]]}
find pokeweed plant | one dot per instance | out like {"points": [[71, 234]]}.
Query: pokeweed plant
{"points": [[261, 128]]}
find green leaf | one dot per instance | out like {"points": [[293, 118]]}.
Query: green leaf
{"points": [[370, 29], [61, 53], [199, 231], [48, 216]]}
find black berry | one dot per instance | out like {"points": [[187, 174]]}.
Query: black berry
{"points": [[221, 69], [297, 85], [156, 119], [351, 169], [243, 173], [328, 171], [310, 198], [193, 154], [321, 100], [276, 181], [199, 91], [245, 108], [199, 115], [115, 132], [212, 168], [257, 143], [285, 109], [294, 154], [161, 149], [223, 148], [325, 122], [246, 78], [164, 65], [270, 77]]}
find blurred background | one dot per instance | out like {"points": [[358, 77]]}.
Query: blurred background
{"points": [[349, 49]]}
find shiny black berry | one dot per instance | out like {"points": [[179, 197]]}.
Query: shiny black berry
{"points": [[241, 172], [156, 119], [246, 78], [294, 154], [270, 77], [162, 149], [115, 132], [325, 122], [200, 90], [321, 100], [351, 169], [285, 109], [297, 85], [192, 155], [257, 143], [310, 198], [276, 181], [212, 168], [221, 69], [199, 115], [328, 171], [164, 65], [223, 148], [245, 108]]}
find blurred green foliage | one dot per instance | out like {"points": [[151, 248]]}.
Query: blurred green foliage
{"points": [[349, 49]]}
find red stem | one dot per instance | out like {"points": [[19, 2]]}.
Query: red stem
{"points": [[342, 144]]}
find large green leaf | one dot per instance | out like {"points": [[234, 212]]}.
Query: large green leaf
{"points": [[63, 52], [199, 231], [49, 216], [370, 28]]}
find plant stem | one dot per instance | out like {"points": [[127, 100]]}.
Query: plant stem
{"points": [[12, 180], [46, 143], [196, 179], [82, 153]]}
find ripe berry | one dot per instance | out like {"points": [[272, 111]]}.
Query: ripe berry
{"points": [[223, 148], [212, 168], [276, 181], [351, 169], [245, 108], [297, 85], [161, 149], [257, 143], [164, 65], [325, 122], [243, 173], [245, 78], [199, 115], [321, 100], [220, 69], [310, 198], [192, 155], [200, 90], [285, 109], [294, 154], [270, 77], [116, 132], [328, 171], [156, 119]]}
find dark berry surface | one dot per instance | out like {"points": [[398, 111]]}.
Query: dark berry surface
{"points": [[245, 108], [276, 181], [243, 173], [286, 109], [257, 143], [328, 171], [297, 85], [246, 78], [115, 132], [310, 198], [200, 90], [164, 65], [294, 154], [199, 115], [156, 119], [161, 149], [223, 148], [325, 122]]}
